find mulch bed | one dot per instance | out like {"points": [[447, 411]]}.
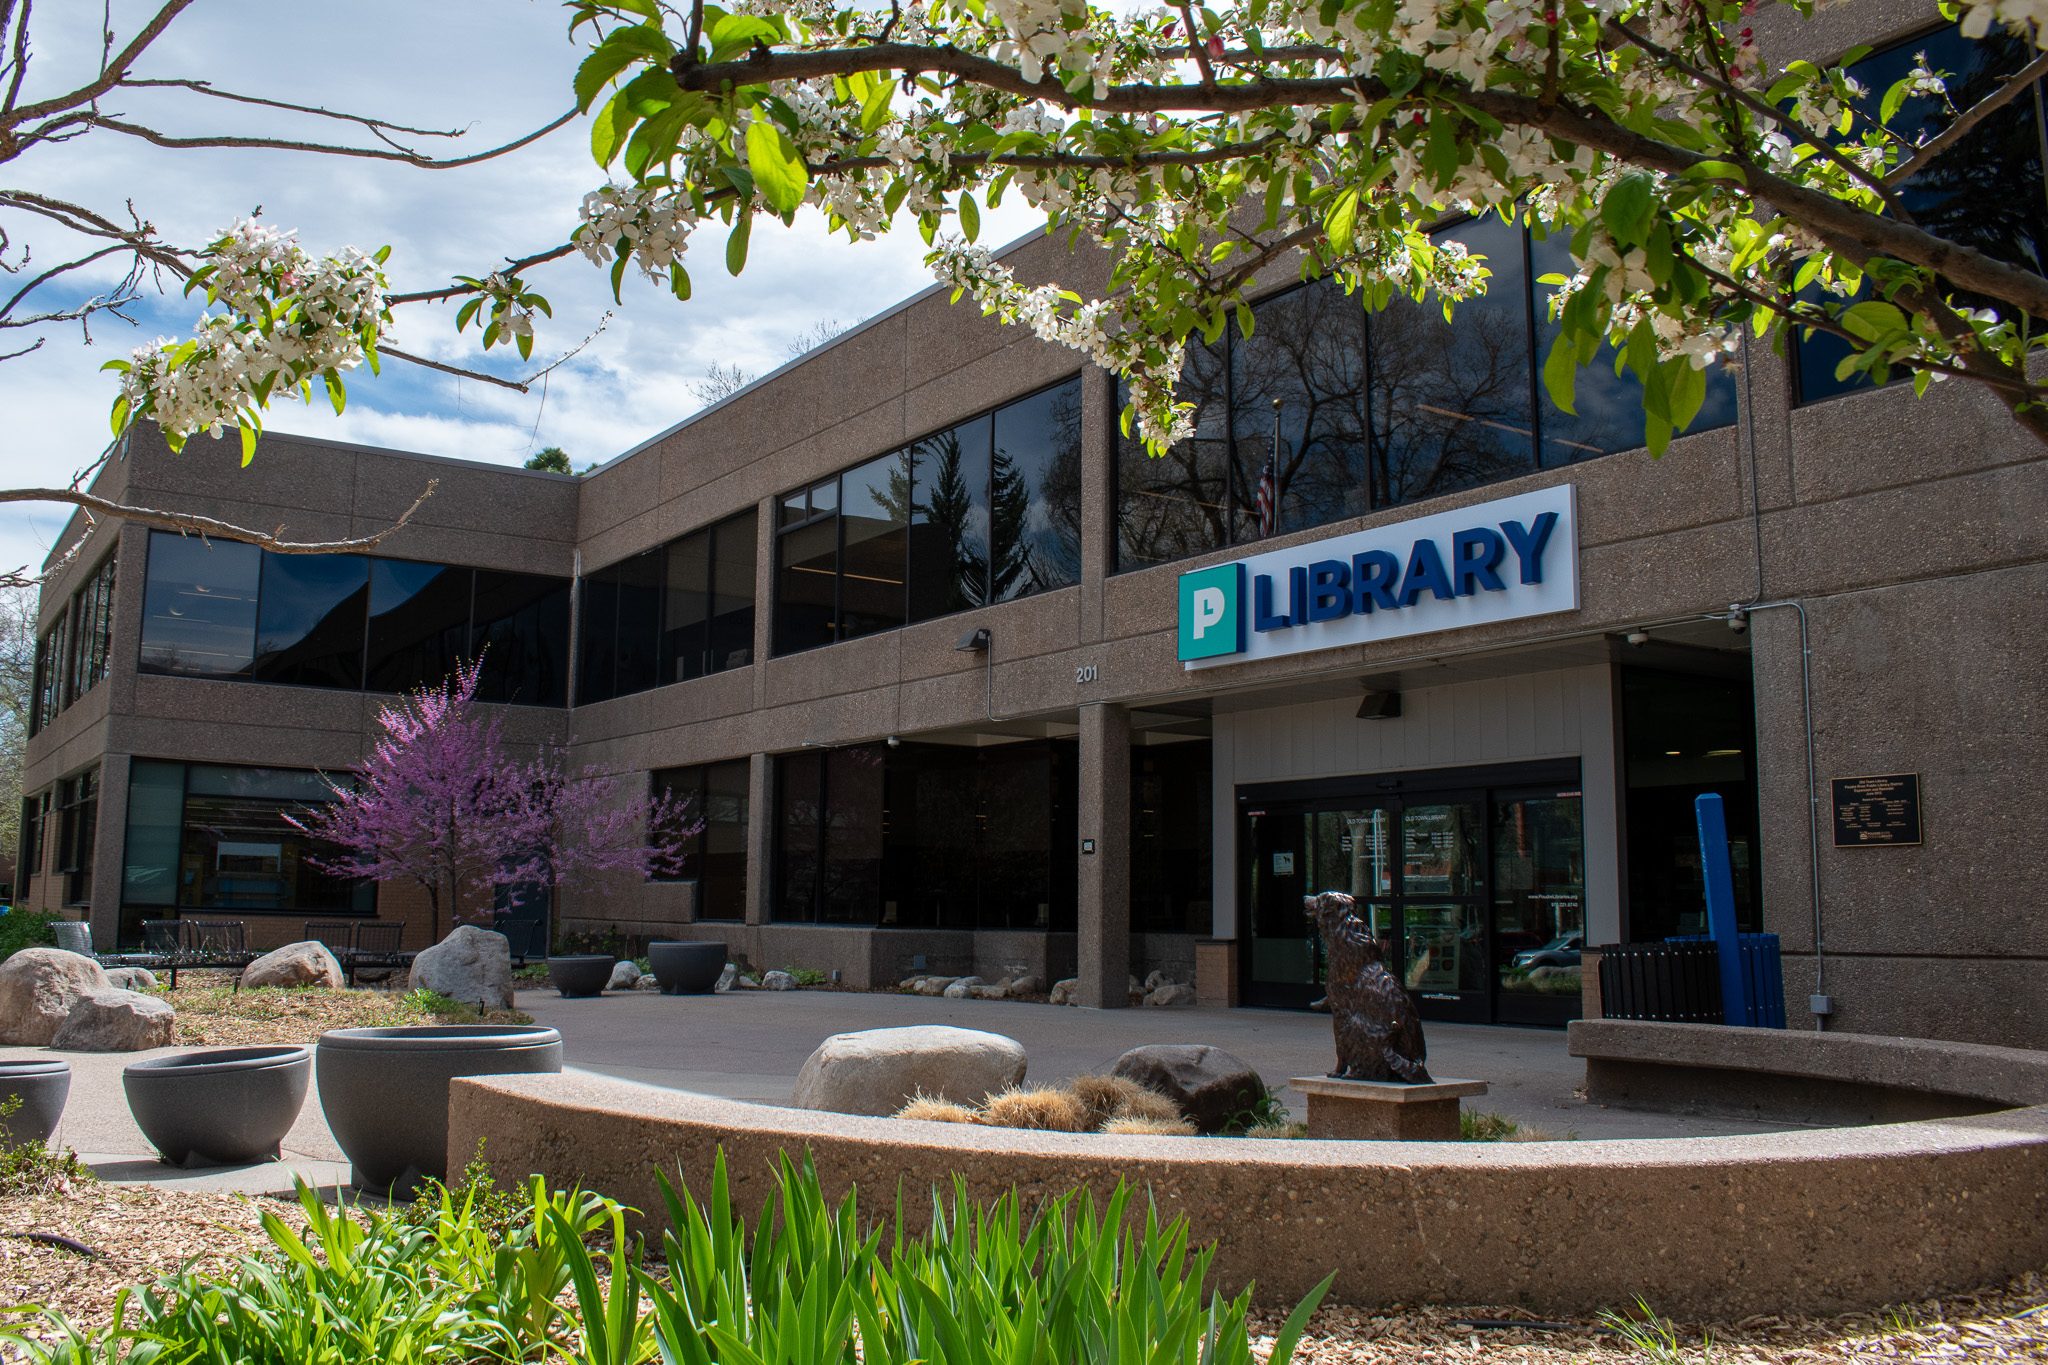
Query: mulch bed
{"points": [[212, 1013], [140, 1233]]}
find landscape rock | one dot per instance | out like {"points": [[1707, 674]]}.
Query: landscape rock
{"points": [[1063, 991], [1027, 985], [296, 964], [960, 987], [1171, 993], [1154, 981], [778, 981], [933, 985], [726, 979], [38, 987], [910, 983], [1210, 1085], [471, 965], [995, 992], [131, 978], [648, 982], [625, 976], [877, 1071], [116, 1021]]}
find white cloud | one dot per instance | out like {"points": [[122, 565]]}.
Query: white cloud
{"points": [[498, 69]]}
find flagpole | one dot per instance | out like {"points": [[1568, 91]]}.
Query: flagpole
{"points": [[1273, 468]]}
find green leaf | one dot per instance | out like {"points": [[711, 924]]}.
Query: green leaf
{"points": [[248, 442], [120, 414], [336, 394], [736, 245], [1688, 393], [779, 171], [970, 217], [1561, 373], [1629, 208], [1873, 319], [621, 49], [1340, 224], [1716, 170], [608, 130]]}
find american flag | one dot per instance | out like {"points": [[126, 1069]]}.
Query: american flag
{"points": [[1266, 501]]}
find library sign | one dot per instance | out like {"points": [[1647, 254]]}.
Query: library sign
{"points": [[1496, 561]]}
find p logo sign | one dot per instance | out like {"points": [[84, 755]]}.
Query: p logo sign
{"points": [[1211, 618]]}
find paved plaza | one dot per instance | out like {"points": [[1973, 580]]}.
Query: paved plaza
{"points": [[749, 1045]]}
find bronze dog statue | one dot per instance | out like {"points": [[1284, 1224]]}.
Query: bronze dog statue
{"points": [[1379, 1037]]}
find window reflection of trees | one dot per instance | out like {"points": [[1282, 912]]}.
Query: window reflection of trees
{"points": [[1307, 350]]}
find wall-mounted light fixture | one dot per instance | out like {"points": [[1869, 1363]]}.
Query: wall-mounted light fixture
{"points": [[1377, 705], [1638, 638], [974, 641]]}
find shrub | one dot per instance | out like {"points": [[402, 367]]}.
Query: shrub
{"points": [[26, 929], [30, 1168], [805, 976], [933, 1110], [1041, 1108]]}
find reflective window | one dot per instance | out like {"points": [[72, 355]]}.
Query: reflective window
{"points": [[310, 619], [78, 812], [1178, 504], [708, 600], [199, 606], [622, 628], [92, 611], [1451, 400], [521, 632], [419, 623], [1035, 494], [1307, 355], [734, 552], [1987, 191], [717, 858], [985, 511], [1170, 838], [686, 609]]}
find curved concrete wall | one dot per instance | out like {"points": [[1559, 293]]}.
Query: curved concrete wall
{"points": [[1714, 1227]]}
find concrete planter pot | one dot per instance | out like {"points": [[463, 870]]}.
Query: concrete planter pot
{"points": [[385, 1091], [686, 968], [226, 1106], [43, 1085], [581, 973]]}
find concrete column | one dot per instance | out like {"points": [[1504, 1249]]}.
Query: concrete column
{"points": [[1104, 949], [760, 835], [110, 842], [1098, 494]]}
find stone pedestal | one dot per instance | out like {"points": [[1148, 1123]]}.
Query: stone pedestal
{"points": [[1385, 1111]]}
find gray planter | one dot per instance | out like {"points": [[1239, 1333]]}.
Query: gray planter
{"points": [[581, 973], [686, 968], [225, 1106], [385, 1091], [43, 1085]]}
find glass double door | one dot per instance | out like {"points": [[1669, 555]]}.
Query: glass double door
{"points": [[1476, 897]]}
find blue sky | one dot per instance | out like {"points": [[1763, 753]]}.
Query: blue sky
{"points": [[498, 68]]}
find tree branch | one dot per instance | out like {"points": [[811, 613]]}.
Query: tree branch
{"points": [[192, 523], [1967, 121], [375, 125], [110, 75], [517, 386], [391, 153], [454, 291]]}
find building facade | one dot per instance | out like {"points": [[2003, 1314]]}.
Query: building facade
{"points": [[960, 679]]}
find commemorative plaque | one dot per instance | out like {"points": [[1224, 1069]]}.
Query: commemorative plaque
{"points": [[1871, 811]]}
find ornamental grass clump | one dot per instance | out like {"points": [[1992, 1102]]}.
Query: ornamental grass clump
{"points": [[1041, 1108]]}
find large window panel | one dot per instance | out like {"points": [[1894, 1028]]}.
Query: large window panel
{"points": [[686, 611], [1452, 400], [1610, 406], [1179, 504], [521, 634], [1035, 497], [874, 522], [1307, 353], [1987, 191], [93, 611], [419, 623], [156, 825], [238, 853], [638, 646], [799, 789], [850, 881], [310, 619], [199, 606], [1171, 889], [734, 550], [722, 865], [807, 586], [949, 530]]}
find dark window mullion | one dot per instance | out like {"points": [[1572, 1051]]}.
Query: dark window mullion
{"points": [[1535, 361]]}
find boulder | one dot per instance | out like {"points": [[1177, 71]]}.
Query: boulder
{"points": [[648, 982], [1063, 991], [471, 965], [778, 981], [933, 985], [295, 964], [116, 1021], [38, 987], [909, 983], [131, 978], [727, 978], [1210, 1086], [995, 992], [625, 977], [1171, 993], [1027, 985], [1154, 981], [960, 987], [877, 1071]]}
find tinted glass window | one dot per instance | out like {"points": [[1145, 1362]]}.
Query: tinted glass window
{"points": [[639, 641], [596, 664], [850, 881], [1307, 353], [93, 610], [722, 868], [1987, 191], [199, 606], [522, 635], [1036, 493], [419, 623], [949, 533], [874, 520], [156, 823], [1179, 504], [238, 852], [733, 553], [1170, 815], [799, 782], [806, 586], [686, 625], [309, 628], [1451, 401]]}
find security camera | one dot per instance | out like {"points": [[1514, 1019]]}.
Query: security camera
{"points": [[895, 743], [1738, 619], [1638, 638]]}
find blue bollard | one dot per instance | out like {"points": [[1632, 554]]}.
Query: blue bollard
{"points": [[1720, 882]]}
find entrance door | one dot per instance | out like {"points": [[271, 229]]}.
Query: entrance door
{"points": [[1416, 869], [1539, 905]]}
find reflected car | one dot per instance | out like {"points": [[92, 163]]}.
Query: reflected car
{"points": [[1559, 952]]}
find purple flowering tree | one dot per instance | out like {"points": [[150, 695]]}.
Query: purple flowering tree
{"points": [[440, 803]]}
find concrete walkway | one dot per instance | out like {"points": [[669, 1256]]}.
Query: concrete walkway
{"points": [[749, 1045]]}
